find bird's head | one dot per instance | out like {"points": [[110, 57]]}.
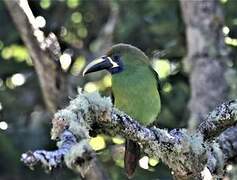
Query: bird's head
{"points": [[118, 58]]}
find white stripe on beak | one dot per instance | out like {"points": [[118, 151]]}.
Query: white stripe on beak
{"points": [[100, 64], [112, 62]]}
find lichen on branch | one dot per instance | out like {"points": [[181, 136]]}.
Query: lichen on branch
{"points": [[186, 153]]}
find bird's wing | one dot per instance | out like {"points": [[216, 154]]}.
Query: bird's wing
{"points": [[159, 91]]}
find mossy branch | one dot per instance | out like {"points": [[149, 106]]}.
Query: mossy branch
{"points": [[217, 121], [186, 153]]}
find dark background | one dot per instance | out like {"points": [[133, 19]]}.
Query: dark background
{"points": [[155, 26]]}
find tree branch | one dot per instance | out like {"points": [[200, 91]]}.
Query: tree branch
{"points": [[106, 34], [45, 52], [217, 121], [207, 57], [186, 153]]}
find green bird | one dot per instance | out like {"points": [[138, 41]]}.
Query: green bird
{"points": [[134, 88]]}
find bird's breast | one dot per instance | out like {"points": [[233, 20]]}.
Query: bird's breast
{"points": [[137, 96]]}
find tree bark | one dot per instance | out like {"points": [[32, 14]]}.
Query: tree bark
{"points": [[45, 53], [106, 34], [207, 57]]}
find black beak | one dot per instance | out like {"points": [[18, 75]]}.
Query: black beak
{"points": [[103, 63]]}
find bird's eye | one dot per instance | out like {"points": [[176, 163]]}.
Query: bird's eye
{"points": [[116, 58]]}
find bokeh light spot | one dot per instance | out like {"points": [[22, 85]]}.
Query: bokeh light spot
{"points": [[118, 140], [162, 67], [45, 4], [7, 53], [9, 83], [18, 52], [225, 30], [40, 21], [63, 31], [90, 87], [39, 35], [223, 1], [82, 32], [65, 61], [72, 3], [76, 17], [167, 87], [143, 162], [153, 162], [78, 65], [230, 41], [97, 143], [229, 167], [3, 125], [18, 79]]}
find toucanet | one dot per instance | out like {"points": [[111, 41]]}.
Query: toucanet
{"points": [[135, 90]]}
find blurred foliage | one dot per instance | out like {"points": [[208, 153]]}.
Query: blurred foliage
{"points": [[155, 26]]}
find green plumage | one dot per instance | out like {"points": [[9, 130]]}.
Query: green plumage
{"points": [[135, 89]]}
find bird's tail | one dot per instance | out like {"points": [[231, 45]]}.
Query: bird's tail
{"points": [[132, 155]]}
